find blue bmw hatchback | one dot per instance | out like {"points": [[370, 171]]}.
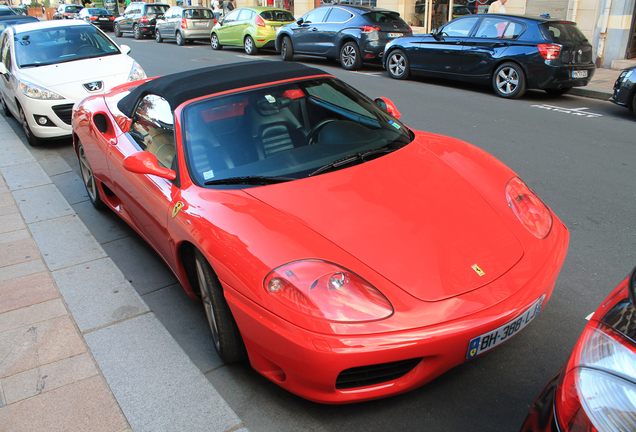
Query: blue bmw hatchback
{"points": [[513, 53], [352, 34]]}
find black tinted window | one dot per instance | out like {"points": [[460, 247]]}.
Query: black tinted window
{"points": [[277, 16], [383, 17], [459, 27], [338, 15], [562, 32]]}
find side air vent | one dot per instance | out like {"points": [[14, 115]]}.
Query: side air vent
{"points": [[376, 374]]}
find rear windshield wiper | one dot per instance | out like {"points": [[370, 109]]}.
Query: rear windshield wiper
{"points": [[355, 157], [249, 180]]}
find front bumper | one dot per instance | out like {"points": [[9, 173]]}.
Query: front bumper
{"points": [[57, 111], [309, 364], [541, 417]]}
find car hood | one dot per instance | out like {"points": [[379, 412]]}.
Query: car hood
{"points": [[408, 216], [67, 79]]}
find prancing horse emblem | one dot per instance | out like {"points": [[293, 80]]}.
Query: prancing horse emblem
{"points": [[94, 86]]}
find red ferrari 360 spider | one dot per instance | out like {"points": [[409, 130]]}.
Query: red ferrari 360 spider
{"points": [[348, 256]]}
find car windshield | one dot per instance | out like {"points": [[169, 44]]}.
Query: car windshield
{"points": [[198, 14], [286, 131], [155, 10], [62, 44], [276, 15]]}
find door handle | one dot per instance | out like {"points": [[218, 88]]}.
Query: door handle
{"points": [[314, 29]]}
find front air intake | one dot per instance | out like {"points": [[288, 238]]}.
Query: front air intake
{"points": [[376, 374]]}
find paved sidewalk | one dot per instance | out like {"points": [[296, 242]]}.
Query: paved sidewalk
{"points": [[79, 349]]}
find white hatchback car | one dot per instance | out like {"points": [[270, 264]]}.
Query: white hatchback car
{"points": [[47, 66]]}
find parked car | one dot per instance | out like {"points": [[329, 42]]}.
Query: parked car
{"points": [[139, 19], [184, 24], [9, 20], [293, 206], [513, 53], [352, 34], [47, 66], [67, 11], [6, 10], [595, 389], [98, 17], [253, 28], [625, 89]]}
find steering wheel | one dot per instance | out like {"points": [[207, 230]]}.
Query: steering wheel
{"points": [[314, 130], [85, 47]]}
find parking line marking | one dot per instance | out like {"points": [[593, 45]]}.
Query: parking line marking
{"points": [[589, 317], [574, 111]]}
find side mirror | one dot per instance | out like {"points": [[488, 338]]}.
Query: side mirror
{"points": [[435, 33], [221, 21], [3, 69], [160, 17], [387, 105], [144, 162], [300, 21], [125, 49]]}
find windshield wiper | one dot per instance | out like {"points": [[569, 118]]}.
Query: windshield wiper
{"points": [[249, 180], [355, 157]]}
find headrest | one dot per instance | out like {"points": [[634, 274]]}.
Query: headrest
{"points": [[271, 105]]}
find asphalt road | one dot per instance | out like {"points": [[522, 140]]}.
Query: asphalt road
{"points": [[577, 153]]}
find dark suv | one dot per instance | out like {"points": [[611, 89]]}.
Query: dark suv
{"points": [[139, 19], [352, 34]]}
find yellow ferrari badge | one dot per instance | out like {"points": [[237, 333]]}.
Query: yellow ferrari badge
{"points": [[177, 207], [475, 267]]}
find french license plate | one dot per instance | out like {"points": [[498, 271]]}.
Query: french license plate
{"points": [[579, 74], [103, 19], [200, 24], [489, 340], [395, 35]]}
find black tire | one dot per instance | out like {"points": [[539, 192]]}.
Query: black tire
{"points": [[559, 91], [137, 32], [5, 108], [286, 49], [32, 139], [350, 57], [117, 30], [225, 333], [214, 42], [89, 179], [250, 46], [509, 81], [158, 37], [180, 39], [397, 65]]}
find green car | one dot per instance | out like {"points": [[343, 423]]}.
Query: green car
{"points": [[250, 27]]}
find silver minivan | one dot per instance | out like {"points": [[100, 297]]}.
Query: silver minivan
{"points": [[185, 23]]}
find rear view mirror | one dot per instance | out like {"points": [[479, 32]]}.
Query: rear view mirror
{"points": [[144, 162], [387, 105]]}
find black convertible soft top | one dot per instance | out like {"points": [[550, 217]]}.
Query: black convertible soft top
{"points": [[183, 86]]}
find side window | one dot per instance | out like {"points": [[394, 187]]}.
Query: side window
{"points": [[316, 15], [5, 51], [233, 16], [152, 128], [492, 28], [245, 15], [338, 15], [514, 30], [459, 28]]}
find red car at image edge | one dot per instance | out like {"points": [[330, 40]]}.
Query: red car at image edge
{"points": [[347, 256]]}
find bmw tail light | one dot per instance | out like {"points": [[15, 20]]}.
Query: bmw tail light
{"points": [[92, 18], [324, 290], [598, 391], [528, 208], [259, 21], [111, 18], [549, 51], [144, 19], [184, 23], [369, 29]]}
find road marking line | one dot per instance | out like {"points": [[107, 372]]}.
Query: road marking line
{"points": [[574, 111], [589, 317]]}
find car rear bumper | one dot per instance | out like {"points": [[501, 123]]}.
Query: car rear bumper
{"points": [[559, 76], [310, 364], [196, 34]]}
